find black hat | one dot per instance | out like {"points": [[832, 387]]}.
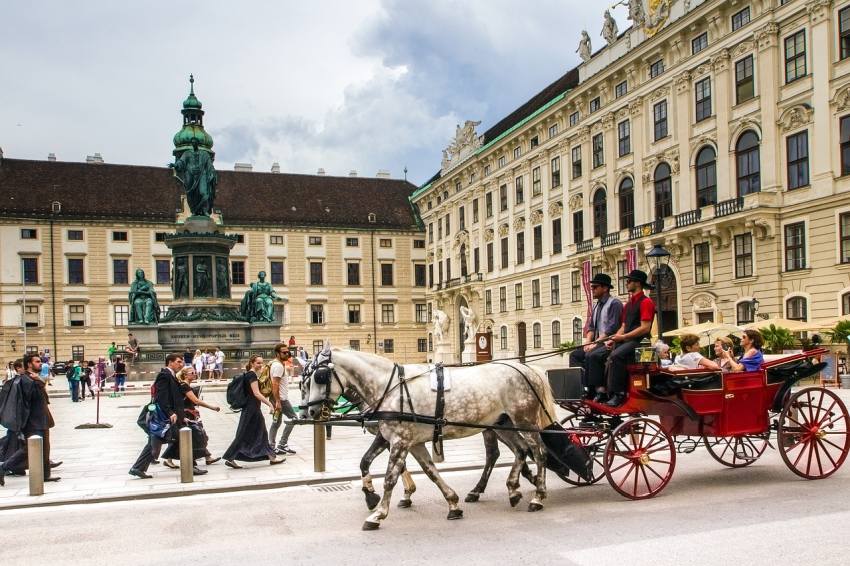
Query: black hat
{"points": [[641, 277], [602, 279]]}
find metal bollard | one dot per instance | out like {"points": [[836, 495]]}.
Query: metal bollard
{"points": [[187, 463], [318, 447], [35, 457]]}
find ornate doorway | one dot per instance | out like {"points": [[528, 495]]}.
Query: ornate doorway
{"points": [[667, 289], [520, 341]]}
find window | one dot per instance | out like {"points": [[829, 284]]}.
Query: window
{"points": [[520, 197], [77, 235], [844, 32], [29, 233], [120, 268], [276, 240], [355, 242], [75, 271], [488, 204], [488, 302], [430, 274], [844, 236], [421, 312], [503, 337], [29, 266], [797, 309], [578, 227], [119, 236], [503, 299], [600, 213], [702, 264], [744, 313], [656, 68], [556, 170], [536, 187], [386, 242], [490, 262], [594, 105], [556, 334], [574, 118], [795, 56], [576, 159], [504, 252], [556, 236], [518, 302], [627, 204], [448, 224], [430, 232], [622, 271], [598, 152], [421, 344], [659, 118], [317, 346], [157, 237], [744, 82], [474, 211], [795, 246], [517, 152], [387, 313], [461, 219], [845, 304], [314, 240], [317, 314], [354, 345], [503, 198], [744, 255], [798, 159], [353, 313], [621, 89], [536, 338], [457, 186], [419, 274], [845, 145], [537, 233], [316, 273], [578, 335], [663, 191], [276, 272], [702, 99], [624, 138], [352, 271], [78, 353], [31, 319], [553, 130], [163, 271], [555, 289], [237, 272], [387, 274], [520, 248], [699, 43], [502, 161], [77, 315], [240, 238], [121, 314], [740, 19], [706, 177], [575, 286], [535, 293], [534, 142]]}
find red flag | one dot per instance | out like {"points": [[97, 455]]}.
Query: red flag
{"points": [[631, 259]]}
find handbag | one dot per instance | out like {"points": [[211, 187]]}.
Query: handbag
{"points": [[158, 424]]}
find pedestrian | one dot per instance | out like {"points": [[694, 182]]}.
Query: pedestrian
{"points": [[281, 374], [73, 375], [251, 443], [198, 362], [120, 374], [219, 363], [200, 439], [100, 373], [45, 370], [133, 347], [166, 394], [110, 352], [209, 363], [85, 379]]}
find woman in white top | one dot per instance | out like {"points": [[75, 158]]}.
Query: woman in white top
{"points": [[198, 362], [690, 356]]}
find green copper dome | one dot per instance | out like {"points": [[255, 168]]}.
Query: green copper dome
{"points": [[192, 102], [190, 133], [193, 125]]}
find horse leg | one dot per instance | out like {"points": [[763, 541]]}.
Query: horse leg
{"points": [[424, 458], [538, 451], [518, 446], [409, 488], [491, 449], [378, 445], [398, 453]]}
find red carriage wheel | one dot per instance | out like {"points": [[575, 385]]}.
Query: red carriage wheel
{"points": [[814, 436], [639, 458], [592, 440], [736, 451]]}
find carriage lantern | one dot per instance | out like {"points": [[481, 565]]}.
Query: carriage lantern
{"points": [[659, 258]]}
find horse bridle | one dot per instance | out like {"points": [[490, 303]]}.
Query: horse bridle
{"points": [[323, 373]]}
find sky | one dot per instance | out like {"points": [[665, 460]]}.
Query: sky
{"points": [[340, 85]]}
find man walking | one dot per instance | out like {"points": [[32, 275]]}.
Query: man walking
{"points": [[119, 374], [280, 372], [605, 320], [167, 395]]}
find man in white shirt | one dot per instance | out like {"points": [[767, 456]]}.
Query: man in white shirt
{"points": [[219, 363], [280, 372]]}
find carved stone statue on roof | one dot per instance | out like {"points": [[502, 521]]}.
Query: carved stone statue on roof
{"points": [[584, 47], [465, 142], [609, 28], [636, 12]]}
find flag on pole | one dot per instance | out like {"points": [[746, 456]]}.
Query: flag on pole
{"points": [[631, 259]]}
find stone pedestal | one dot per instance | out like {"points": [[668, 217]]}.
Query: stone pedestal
{"points": [[443, 354], [468, 354]]}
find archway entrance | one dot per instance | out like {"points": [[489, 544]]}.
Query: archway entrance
{"points": [[666, 295], [520, 341], [461, 302]]}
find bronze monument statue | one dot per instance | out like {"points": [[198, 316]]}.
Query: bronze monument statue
{"points": [[194, 169], [258, 303], [144, 308]]}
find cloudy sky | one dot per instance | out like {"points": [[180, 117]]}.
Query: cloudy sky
{"points": [[342, 85]]}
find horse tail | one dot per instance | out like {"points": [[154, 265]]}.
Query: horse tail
{"points": [[546, 414]]}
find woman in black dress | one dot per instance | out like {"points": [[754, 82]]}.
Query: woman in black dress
{"points": [[191, 402], [252, 440]]}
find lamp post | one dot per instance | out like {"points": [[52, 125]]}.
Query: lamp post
{"points": [[659, 258]]}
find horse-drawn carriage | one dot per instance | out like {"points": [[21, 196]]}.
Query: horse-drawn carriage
{"points": [[734, 415]]}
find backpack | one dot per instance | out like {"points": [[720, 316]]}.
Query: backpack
{"points": [[12, 412], [264, 381], [237, 398], [69, 373]]}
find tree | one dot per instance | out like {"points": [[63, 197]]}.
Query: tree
{"points": [[777, 338], [840, 334]]}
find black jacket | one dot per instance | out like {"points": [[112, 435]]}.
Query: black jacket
{"points": [[168, 395]]}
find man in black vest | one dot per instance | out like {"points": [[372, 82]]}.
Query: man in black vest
{"points": [[605, 319], [166, 393], [638, 315]]}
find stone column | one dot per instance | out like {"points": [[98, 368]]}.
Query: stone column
{"points": [[820, 54], [723, 100], [768, 91], [640, 141]]}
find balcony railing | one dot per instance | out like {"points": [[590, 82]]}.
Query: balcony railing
{"points": [[648, 229], [584, 246], [688, 218], [611, 239], [454, 282], [727, 207]]}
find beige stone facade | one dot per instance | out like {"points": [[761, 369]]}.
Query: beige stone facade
{"points": [[733, 109]]}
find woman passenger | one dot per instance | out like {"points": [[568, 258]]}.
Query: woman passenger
{"points": [[751, 342], [690, 356], [720, 345]]}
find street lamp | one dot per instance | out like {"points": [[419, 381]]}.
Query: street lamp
{"points": [[660, 258]]}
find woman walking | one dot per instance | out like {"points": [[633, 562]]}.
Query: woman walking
{"points": [[100, 373], [252, 441], [200, 439]]}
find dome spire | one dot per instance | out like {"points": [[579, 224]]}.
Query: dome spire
{"points": [[191, 84], [193, 124]]}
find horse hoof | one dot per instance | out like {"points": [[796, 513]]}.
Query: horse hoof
{"points": [[515, 499], [472, 497], [532, 507], [405, 503], [372, 499], [455, 514], [370, 526]]}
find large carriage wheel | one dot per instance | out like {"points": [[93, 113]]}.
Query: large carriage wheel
{"points": [[639, 458], [593, 442], [813, 433], [736, 451]]}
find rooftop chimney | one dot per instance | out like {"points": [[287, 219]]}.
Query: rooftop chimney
{"points": [[275, 167], [96, 158], [352, 173], [51, 157], [382, 174], [246, 167], [320, 171]]}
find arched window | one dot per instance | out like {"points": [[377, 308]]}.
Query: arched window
{"points": [[463, 260], [503, 337], [556, 332], [627, 204], [744, 313], [577, 331], [796, 309], [663, 191], [706, 177], [845, 304], [600, 213], [536, 334], [747, 163]]}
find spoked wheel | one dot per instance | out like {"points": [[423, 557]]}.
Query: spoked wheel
{"points": [[594, 442], [813, 433], [736, 451], [639, 458]]}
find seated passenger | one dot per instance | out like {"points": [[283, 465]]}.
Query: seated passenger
{"points": [[752, 359], [690, 356], [663, 351], [721, 344]]}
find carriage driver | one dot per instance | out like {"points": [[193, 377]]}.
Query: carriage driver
{"points": [[605, 320], [637, 323]]}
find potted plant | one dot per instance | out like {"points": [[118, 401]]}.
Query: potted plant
{"points": [[777, 339], [840, 334]]}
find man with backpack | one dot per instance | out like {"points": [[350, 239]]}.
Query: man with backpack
{"points": [[73, 375], [281, 372]]}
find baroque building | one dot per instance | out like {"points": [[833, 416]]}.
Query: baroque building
{"points": [[345, 254], [718, 129]]}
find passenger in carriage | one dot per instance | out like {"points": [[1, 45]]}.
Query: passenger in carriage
{"points": [[751, 343], [637, 323], [691, 357], [604, 321], [721, 344]]}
